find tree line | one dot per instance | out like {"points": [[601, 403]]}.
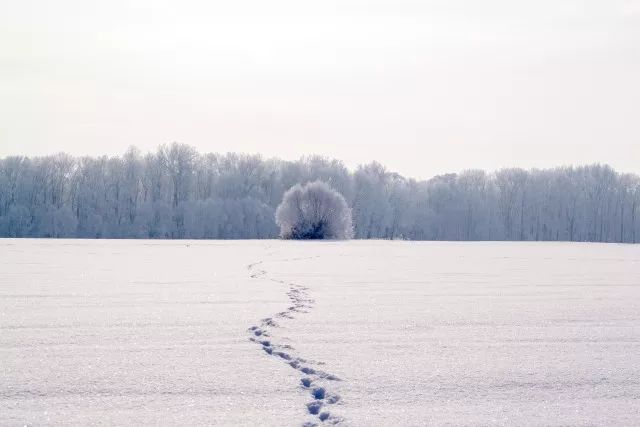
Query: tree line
{"points": [[178, 193]]}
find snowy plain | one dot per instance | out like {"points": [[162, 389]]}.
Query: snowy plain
{"points": [[387, 333]]}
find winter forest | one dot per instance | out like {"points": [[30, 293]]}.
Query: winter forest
{"points": [[178, 193]]}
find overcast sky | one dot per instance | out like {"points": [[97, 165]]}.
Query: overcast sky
{"points": [[424, 87]]}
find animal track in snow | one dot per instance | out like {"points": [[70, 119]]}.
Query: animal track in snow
{"points": [[260, 333], [314, 407], [313, 379], [318, 393], [269, 322]]}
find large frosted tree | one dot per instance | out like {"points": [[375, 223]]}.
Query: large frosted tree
{"points": [[314, 211]]}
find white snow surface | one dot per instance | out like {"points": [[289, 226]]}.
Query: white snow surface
{"points": [[390, 333]]}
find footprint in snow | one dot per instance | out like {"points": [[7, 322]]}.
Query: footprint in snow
{"points": [[301, 303]]}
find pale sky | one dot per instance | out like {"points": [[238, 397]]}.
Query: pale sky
{"points": [[424, 87]]}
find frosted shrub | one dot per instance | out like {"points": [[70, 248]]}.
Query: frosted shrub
{"points": [[314, 211]]}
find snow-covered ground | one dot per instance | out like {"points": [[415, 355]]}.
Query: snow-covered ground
{"points": [[387, 333]]}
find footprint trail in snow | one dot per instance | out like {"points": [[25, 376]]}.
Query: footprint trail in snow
{"points": [[314, 380]]}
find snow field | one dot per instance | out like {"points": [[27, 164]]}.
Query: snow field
{"points": [[316, 333]]}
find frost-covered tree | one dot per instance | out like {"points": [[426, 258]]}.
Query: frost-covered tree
{"points": [[176, 192], [314, 211]]}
